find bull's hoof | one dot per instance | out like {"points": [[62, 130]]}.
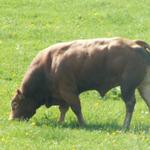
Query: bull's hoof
{"points": [[82, 124], [125, 129]]}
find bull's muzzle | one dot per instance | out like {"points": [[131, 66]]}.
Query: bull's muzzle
{"points": [[11, 117]]}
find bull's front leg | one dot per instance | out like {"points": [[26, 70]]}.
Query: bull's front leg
{"points": [[63, 110], [74, 102]]}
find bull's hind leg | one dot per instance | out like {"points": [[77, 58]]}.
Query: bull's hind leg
{"points": [[144, 88], [131, 78], [73, 101], [63, 109], [129, 99], [144, 91]]}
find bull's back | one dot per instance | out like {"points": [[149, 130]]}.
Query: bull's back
{"points": [[94, 64]]}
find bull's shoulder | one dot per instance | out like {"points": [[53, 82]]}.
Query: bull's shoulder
{"points": [[48, 53], [60, 48], [40, 57]]}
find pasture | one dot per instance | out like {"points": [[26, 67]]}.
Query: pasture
{"points": [[28, 26]]}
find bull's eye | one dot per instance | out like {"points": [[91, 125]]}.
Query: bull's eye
{"points": [[14, 105]]}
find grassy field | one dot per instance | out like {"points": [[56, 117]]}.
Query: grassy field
{"points": [[26, 27]]}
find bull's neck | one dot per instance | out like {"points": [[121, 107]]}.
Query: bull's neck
{"points": [[34, 84]]}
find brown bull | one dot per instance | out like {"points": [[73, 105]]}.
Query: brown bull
{"points": [[58, 74]]}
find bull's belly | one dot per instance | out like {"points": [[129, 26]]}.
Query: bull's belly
{"points": [[102, 86]]}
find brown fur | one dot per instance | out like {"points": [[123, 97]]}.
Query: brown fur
{"points": [[58, 74]]}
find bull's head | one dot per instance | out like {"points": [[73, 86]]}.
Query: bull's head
{"points": [[22, 108]]}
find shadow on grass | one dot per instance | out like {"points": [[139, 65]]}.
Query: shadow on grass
{"points": [[74, 125], [108, 126]]}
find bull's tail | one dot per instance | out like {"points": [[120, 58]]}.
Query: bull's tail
{"points": [[144, 50], [144, 45]]}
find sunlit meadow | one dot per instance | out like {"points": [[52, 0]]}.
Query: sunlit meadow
{"points": [[26, 27]]}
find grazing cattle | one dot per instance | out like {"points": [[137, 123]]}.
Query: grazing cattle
{"points": [[58, 74]]}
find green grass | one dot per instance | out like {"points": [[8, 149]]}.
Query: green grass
{"points": [[26, 27]]}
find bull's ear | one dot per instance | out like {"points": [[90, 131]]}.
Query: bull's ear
{"points": [[19, 92]]}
